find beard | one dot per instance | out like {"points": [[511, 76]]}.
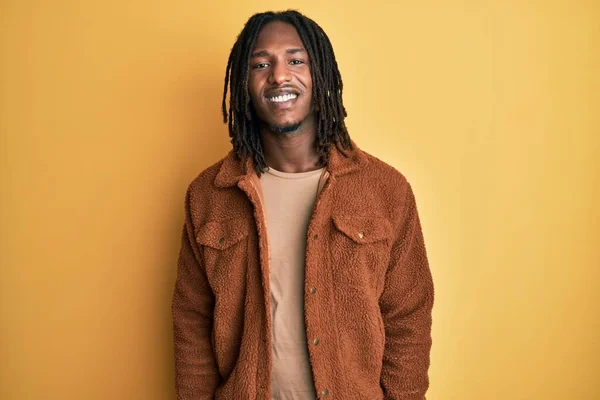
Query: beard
{"points": [[283, 129]]}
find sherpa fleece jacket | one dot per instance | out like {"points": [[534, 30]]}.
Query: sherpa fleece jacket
{"points": [[368, 287]]}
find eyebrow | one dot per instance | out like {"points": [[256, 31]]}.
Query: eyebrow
{"points": [[265, 53]]}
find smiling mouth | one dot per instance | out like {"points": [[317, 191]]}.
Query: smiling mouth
{"points": [[282, 98]]}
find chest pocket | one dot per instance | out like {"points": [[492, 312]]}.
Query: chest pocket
{"points": [[360, 251], [363, 230], [225, 246]]}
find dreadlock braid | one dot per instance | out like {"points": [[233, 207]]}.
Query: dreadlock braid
{"points": [[329, 109]]}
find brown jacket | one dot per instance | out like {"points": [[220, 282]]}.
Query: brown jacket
{"points": [[368, 288]]}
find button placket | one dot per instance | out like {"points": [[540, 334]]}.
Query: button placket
{"points": [[312, 290]]}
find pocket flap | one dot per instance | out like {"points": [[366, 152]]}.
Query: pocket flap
{"points": [[222, 234], [363, 229]]}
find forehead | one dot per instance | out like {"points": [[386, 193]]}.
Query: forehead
{"points": [[278, 34]]}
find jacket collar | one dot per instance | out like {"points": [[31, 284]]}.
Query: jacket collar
{"points": [[231, 171]]}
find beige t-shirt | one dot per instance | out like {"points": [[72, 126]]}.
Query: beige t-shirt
{"points": [[289, 199]]}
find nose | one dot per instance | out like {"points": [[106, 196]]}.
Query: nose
{"points": [[279, 73]]}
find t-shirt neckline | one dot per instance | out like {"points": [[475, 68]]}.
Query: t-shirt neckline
{"points": [[293, 175]]}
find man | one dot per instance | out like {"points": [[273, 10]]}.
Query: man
{"points": [[302, 272]]}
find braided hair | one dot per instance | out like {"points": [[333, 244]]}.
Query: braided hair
{"points": [[329, 109]]}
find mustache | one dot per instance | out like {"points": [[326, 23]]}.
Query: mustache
{"points": [[281, 90]]}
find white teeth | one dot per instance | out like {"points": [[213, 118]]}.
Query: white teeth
{"points": [[281, 99]]}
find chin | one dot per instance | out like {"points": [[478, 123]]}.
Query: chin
{"points": [[289, 127]]}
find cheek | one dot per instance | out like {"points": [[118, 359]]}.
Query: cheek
{"points": [[308, 86], [254, 90], [254, 99]]}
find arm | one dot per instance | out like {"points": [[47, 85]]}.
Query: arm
{"points": [[406, 304], [196, 375]]}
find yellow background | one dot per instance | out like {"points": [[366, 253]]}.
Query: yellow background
{"points": [[108, 109]]}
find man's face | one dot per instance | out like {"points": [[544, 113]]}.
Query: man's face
{"points": [[279, 80]]}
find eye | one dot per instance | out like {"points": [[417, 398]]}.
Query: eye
{"points": [[296, 62], [260, 66]]}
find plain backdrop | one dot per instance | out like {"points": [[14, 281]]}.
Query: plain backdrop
{"points": [[108, 109]]}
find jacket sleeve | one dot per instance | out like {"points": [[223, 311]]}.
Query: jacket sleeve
{"points": [[406, 304], [196, 374]]}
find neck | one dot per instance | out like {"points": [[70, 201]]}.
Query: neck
{"points": [[290, 152]]}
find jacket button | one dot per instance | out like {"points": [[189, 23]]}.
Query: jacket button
{"points": [[315, 236], [361, 235], [316, 342], [313, 290], [221, 241], [324, 392]]}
